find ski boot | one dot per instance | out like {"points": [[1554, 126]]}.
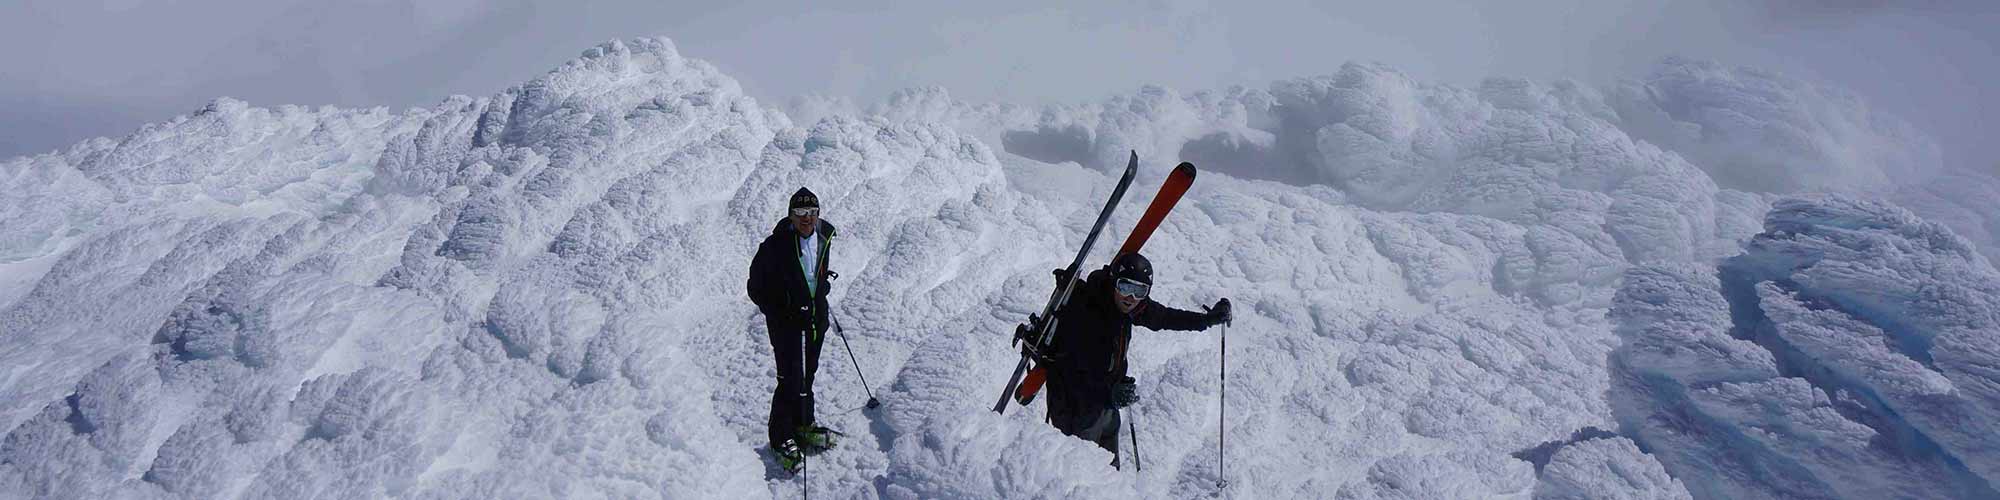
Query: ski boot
{"points": [[815, 439], [789, 456]]}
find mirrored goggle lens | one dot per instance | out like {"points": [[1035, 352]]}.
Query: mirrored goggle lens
{"points": [[805, 212], [1133, 289]]}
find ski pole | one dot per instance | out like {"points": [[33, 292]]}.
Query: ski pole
{"points": [[872, 402], [1137, 465], [805, 476], [1221, 430]]}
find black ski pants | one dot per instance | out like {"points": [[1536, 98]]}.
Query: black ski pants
{"points": [[1089, 422], [797, 353]]}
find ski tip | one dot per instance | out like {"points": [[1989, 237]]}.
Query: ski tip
{"points": [[1185, 167]]}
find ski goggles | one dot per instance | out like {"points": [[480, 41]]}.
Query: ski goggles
{"points": [[1132, 288], [805, 212]]}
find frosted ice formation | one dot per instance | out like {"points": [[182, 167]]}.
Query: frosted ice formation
{"points": [[1755, 130], [1847, 352]]}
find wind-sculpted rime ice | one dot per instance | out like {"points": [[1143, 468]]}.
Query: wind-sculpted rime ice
{"points": [[1606, 468], [538, 294], [1754, 130], [1509, 149], [1962, 200], [1848, 352]]}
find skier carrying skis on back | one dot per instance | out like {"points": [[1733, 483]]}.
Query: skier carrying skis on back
{"points": [[789, 280], [1087, 379]]}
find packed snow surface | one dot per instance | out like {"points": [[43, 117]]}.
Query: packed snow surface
{"points": [[1517, 290]]}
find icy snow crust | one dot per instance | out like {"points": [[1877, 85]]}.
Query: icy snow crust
{"points": [[539, 294]]}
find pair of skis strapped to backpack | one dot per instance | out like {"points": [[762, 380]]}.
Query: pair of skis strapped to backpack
{"points": [[1040, 329]]}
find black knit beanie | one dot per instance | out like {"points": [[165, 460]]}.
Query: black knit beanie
{"points": [[804, 199]]}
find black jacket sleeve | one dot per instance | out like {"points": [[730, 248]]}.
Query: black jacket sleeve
{"points": [[763, 285], [1156, 316]]}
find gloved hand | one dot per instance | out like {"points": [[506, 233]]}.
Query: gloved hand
{"points": [[1219, 313], [1061, 275], [1124, 392]]}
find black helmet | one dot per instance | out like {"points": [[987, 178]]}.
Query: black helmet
{"points": [[1134, 267]]}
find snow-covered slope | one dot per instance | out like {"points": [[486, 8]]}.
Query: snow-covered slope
{"points": [[539, 294], [1848, 352]]}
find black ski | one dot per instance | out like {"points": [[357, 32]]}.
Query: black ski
{"points": [[1040, 326]]}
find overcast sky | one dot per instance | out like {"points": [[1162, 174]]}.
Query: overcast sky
{"points": [[73, 69]]}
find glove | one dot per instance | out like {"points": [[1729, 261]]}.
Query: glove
{"points": [[1219, 313], [1124, 393], [1062, 277]]}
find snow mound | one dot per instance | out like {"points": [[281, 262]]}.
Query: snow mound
{"points": [[1847, 351], [1758, 131], [276, 304], [1606, 468]]}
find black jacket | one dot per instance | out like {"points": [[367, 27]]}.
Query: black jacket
{"points": [[777, 282], [1091, 338]]}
